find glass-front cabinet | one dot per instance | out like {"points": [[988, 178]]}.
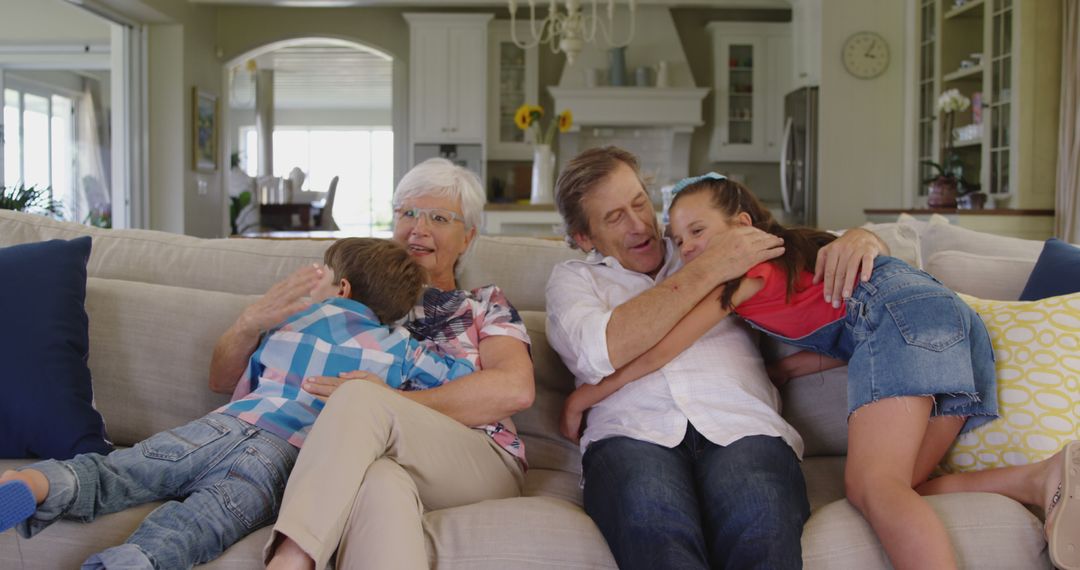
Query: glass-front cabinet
{"points": [[752, 73], [1000, 100], [512, 81], [970, 46], [738, 85], [927, 146]]}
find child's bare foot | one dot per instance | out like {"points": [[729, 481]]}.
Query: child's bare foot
{"points": [[289, 555], [1062, 492], [39, 485]]}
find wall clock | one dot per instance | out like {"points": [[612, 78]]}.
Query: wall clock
{"points": [[865, 55]]}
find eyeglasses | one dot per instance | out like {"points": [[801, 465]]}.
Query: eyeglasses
{"points": [[435, 216]]}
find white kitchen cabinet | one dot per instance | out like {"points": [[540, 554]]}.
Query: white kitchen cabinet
{"points": [[447, 77], [806, 40], [752, 74], [513, 78]]}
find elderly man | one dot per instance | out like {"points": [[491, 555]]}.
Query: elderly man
{"points": [[690, 466]]}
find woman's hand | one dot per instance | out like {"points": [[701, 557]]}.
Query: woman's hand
{"points": [[845, 260], [286, 297], [322, 387], [234, 348]]}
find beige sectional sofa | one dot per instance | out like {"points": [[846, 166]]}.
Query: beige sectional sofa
{"points": [[157, 302]]}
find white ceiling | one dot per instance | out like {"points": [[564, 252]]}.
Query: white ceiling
{"points": [[321, 76]]}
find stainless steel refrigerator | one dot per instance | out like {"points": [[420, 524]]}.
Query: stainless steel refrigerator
{"points": [[798, 159]]}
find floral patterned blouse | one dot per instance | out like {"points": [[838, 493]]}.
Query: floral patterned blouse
{"points": [[454, 323]]}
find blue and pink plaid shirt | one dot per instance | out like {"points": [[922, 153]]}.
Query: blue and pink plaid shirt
{"points": [[339, 335]]}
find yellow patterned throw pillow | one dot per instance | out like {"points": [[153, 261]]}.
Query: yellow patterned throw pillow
{"points": [[1037, 348]]}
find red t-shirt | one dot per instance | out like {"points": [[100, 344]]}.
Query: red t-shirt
{"points": [[769, 308]]}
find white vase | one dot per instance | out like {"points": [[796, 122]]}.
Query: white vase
{"points": [[543, 175]]}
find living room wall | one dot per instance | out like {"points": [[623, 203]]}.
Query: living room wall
{"points": [[861, 135], [49, 22], [182, 55]]}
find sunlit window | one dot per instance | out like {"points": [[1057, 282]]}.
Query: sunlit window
{"points": [[12, 138], [361, 158], [38, 148]]}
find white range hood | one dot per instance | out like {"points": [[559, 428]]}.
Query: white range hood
{"points": [[671, 107], [655, 123]]}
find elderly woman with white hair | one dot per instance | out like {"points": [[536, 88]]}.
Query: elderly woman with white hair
{"points": [[377, 458]]}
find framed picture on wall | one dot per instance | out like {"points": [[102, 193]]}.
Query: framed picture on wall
{"points": [[204, 136]]}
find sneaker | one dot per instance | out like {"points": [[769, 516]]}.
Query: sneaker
{"points": [[1063, 514], [16, 504]]}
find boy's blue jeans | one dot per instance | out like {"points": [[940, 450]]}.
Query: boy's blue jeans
{"points": [[223, 479], [698, 505]]}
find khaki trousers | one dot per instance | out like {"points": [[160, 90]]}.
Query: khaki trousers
{"points": [[371, 466]]}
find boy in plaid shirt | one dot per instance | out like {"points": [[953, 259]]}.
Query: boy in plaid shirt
{"points": [[224, 474]]}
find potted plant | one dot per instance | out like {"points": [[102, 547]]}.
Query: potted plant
{"points": [[948, 181], [30, 199]]}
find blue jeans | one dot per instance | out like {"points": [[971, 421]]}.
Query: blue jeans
{"points": [[906, 334], [697, 505], [223, 479]]}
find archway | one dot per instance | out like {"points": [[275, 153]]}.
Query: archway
{"points": [[332, 117]]}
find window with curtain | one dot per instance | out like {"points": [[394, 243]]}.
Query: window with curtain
{"points": [[55, 139], [362, 158], [38, 149]]}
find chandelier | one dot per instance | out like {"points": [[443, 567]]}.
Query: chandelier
{"points": [[568, 31]]}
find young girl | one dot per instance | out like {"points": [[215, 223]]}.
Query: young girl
{"points": [[920, 362]]}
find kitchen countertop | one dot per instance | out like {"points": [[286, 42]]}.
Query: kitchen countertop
{"points": [[957, 211]]}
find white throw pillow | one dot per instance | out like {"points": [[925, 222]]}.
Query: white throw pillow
{"points": [[984, 276], [902, 239]]}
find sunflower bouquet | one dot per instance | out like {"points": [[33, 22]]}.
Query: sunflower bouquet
{"points": [[527, 118]]}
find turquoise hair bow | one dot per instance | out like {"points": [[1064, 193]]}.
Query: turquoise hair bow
{"points": [[682, 184]]}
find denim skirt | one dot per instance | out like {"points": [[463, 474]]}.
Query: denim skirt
{"points": [[906, 334]]}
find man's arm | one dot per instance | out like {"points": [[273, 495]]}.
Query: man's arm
{"points": [[640, 323], [845, 260], [240, 340], [704, 316]]}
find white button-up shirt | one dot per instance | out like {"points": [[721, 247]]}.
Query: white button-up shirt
{"points": [[719, 384]]}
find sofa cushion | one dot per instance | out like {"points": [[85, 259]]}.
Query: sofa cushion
{"points": [[47, 408], [1057, 272], [1037, 353], [936, 237], [816, 406], [151, 353], [982, 276], [902, 239], [501, 261], [523, 532], [986, 531], [538, 425], [248, 266]]}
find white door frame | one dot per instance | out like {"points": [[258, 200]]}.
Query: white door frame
{"points": [[130, 153]]}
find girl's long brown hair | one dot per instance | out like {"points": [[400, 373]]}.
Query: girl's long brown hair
{"points": [[801, 245]]}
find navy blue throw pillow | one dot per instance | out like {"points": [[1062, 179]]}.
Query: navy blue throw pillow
{"points": [[1057, 272], [45, 392]]}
